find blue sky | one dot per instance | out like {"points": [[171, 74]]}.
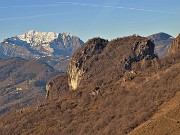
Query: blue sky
{"points": [[87, 19]]}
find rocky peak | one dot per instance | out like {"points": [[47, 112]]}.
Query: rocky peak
{"points": [[80, 60], [141, 50], [119, 54]]}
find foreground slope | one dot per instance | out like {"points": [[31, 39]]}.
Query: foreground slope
{"points": [[110, 88], [164, 122], [167, 119]]}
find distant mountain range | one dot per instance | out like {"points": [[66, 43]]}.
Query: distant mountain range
{"points": [[49, 47], [162, 42]]}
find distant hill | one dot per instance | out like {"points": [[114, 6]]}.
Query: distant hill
{"points": [[49, 47], [22, 82], [162, 42]]}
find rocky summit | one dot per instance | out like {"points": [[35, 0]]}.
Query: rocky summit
{"points": [[135, 49]]}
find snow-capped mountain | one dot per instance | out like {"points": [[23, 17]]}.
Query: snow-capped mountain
{"points": [[40, 45]]}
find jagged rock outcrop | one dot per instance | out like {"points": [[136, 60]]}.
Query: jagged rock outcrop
{"points": [[141, 50], [78, 64], [90, 59]]}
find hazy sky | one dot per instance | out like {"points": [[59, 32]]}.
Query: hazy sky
{"points": [[103, 18]]}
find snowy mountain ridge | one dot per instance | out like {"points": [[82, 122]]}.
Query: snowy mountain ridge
{"points": [[40, 45], [47, 43]]}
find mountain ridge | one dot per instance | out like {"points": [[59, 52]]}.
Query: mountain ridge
{"points": [[49, 47], [162, 41]]}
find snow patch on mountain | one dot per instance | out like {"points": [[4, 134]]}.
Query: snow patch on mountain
{"points": [[46, 43], [39, 41], [48, 47]]}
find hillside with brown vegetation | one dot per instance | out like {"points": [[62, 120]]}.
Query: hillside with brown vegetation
{"points": [[110, 88], [22, 82], [166, 120]]}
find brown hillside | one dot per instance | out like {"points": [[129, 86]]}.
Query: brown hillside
{"points": [[22, 82], [118, 86], [165, 122]]}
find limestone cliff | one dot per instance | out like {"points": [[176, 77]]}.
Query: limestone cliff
{"points": [[117, 55], [77, 66]]}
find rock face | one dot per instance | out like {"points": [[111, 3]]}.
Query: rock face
{"points": [[137, 49], [77, 66], [162, 41], [49, 47], [141, 50]]}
